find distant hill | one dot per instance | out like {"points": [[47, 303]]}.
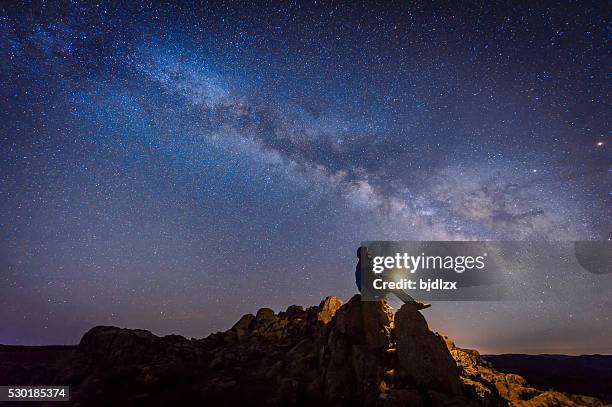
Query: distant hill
{"points": [[586, 374]]}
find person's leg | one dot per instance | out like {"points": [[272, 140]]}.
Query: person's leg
{"points": [[403, 295], [406, 298]]}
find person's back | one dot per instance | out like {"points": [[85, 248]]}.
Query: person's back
{"points": [[358, 267], [364, 268]]}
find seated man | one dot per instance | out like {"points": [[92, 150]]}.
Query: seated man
{"points": [[364, 267]]}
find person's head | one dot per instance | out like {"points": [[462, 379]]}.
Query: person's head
{"points": [[362, 252]]}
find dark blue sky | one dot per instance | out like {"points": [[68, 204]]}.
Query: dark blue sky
{"points": [[173, 167]]}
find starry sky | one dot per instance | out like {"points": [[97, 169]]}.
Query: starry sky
{"points": [[172, 167]]}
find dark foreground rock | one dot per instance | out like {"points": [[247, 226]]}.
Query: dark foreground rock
{"points": [[334, 354]]}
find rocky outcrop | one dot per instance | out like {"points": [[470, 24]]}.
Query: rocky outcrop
{"points": [[423, 354], [336, 354], [488, 385]]}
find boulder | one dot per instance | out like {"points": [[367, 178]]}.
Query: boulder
{"points": [[378, 324], [328, 308], [264, 314], [109, 344], [294, 311], [423, 354], [242, 328]]}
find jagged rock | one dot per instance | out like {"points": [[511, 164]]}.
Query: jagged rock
{"points": [[294, 311], [244, 322], [264, 314], [357, 353], [489, 386], [349, 319], [423, 354], [328, 308], [378, 324], [357, 339], [241, 328]]}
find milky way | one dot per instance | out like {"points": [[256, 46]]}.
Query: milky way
{"points": [[173, 167]]}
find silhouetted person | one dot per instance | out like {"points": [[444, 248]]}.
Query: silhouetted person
{"points": [[364, 268]]}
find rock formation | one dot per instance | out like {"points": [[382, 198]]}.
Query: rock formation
{"points": [[334, 354]]}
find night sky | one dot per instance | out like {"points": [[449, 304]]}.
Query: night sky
{"points": [[174, 167]]}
